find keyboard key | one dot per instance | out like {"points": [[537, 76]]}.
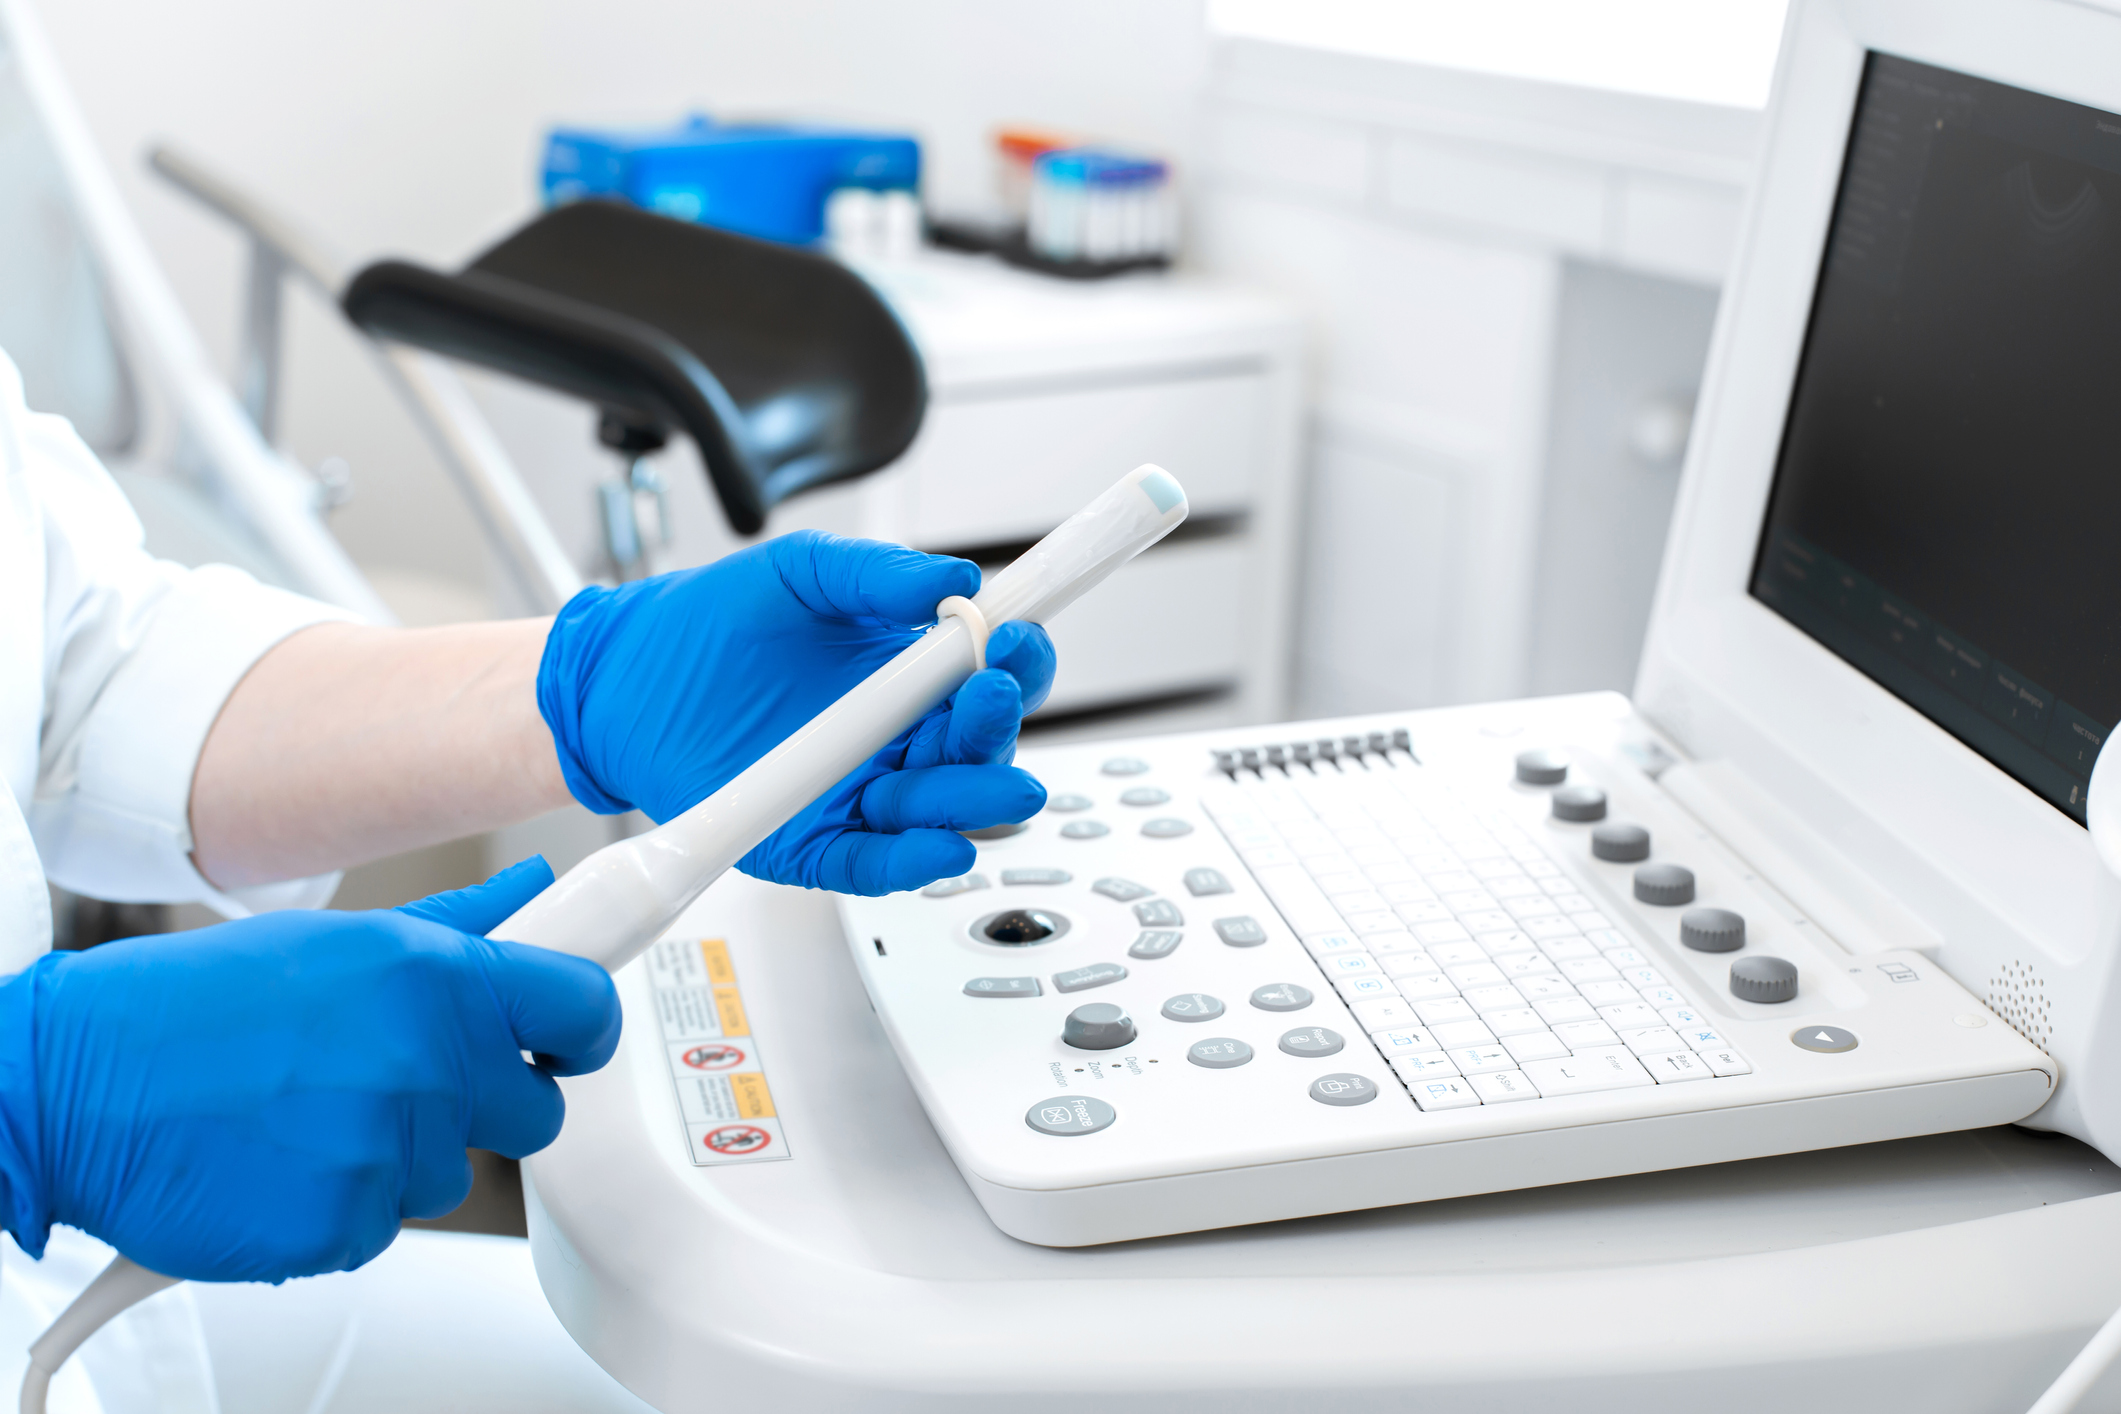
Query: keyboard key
{"points": [[1475, 1060], [1586, 1035], [1535, 1045], [963, 884], [1397, 1041], [1426, 1065], [1591, 922], [1512, 1021], [1630, 1016], [1511, 886], [1491, 868], [1452, 1034], [1488, 921], [1559, 1009], [1437, 1011], [1670, 1067], [1500, 1087], [1589, 969], [1407, 891], [1155, 943], [1451, 882], [1202, 882], [1408, 964], [1524, 964], [1661, 997], [1443, 1095], [1679, 1018], [1440, 861], [1381, 922], [1724, 1062], [1642, 976], [1322, 945], [1281, 996], [1384, 1013], [1574, 905], [1624, 957], [1352, 881], [1567, 949], [1350, 964], [1538, 989], [1158, 913], [1393, 872], [1366, 901], [1363, 989], [1464, 901], [1432, 935], [1702, 1038], [1383, 943], [1415, 914], [1475, 974], [1425, 986], [1505, 941], [1464, 954], [1546, 928], [1530, 906], [1653, 1040], [1491, 999], [1608, 993], [1587, 1073]]}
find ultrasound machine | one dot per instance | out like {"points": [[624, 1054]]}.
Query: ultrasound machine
{"points": [[1742, 1044]]}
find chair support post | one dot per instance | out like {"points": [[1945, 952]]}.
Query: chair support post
{"points": [[258, 356]]}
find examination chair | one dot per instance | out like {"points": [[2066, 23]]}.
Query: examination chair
{"points": [[784, 367]]}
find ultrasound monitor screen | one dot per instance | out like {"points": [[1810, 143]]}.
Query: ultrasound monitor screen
{"points": [[1946, 513]]}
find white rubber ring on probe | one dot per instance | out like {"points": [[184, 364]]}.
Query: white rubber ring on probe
{"points": [[959, 607]]}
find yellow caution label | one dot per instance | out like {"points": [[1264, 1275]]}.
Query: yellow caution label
{"points": [[720, 971], [753, 1099]]}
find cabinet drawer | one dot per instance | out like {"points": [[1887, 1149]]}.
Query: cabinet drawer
{"points": [[1172, 620], [991, 470]]}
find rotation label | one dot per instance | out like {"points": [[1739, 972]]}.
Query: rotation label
{"points": [[712, 1056]]}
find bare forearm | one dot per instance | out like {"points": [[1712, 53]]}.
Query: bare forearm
{"points": [[347, 743]]}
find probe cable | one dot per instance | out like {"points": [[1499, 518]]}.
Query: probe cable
{"points": [[2078, 1377], [120, 1285]]}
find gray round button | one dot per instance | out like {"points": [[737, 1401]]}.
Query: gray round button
{"points": [[1125, 766], [1098, 1026], [1219, 1052], [1765, 979], [1620, 842], [1144, 795], [1712, 929], [1167, 829], [1193, 1006], [1666, 885], [1830, 1039], [1070, 1114], [1342, 1088], [1543, 767], [996, 832], [1084, 829], [1068, 804], [1313, 1041], [1281, 996], [1579, 804]]}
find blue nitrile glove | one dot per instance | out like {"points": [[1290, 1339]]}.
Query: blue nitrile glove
{"points": [[266, 1099], [659, 692]]}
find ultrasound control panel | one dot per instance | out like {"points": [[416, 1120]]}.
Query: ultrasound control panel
{"points": [[1207, 956]]}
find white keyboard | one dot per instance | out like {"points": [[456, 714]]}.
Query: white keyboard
{"points": [[1371, 962]]}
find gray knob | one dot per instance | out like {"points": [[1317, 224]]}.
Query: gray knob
{"points": [[1544, 767], [1763, 979], [1712, 930], [1580, 804], [1099, 1026], [1620, 842], [1666, 885]]}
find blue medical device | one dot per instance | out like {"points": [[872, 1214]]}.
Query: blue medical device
{"points": [[764, 180]]}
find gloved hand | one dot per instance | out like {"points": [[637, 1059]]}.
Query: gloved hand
{"points": [[659, 692], [266, 1099]]}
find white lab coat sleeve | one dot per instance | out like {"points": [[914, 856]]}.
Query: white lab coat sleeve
{"points": [[139, 655]]}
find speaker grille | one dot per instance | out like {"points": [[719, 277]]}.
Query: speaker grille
{"points": [[2018, 995]]}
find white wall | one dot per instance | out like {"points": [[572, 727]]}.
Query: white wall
{"points": [[413, 127]]}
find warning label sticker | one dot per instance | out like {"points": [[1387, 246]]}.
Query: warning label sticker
{"points": [[714, 1058]]}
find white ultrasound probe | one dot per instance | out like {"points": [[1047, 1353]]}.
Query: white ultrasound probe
{"points": [[612, 905]]}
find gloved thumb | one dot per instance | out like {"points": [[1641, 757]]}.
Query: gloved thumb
{"points": [[483, 906]]}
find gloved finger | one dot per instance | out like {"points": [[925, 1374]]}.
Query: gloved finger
{"points": [[1025, 652], [950, 798], [439, 1176], [873, 865], [983, 720], [482, 907], [517, 1114], [842, 578], [561, 1009]]}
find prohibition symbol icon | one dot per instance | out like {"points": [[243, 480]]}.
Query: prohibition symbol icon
{"points": [[737, 1139], [714, 1057]]}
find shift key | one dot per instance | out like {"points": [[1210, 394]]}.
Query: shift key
{"points": [[1608, 1068]]}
